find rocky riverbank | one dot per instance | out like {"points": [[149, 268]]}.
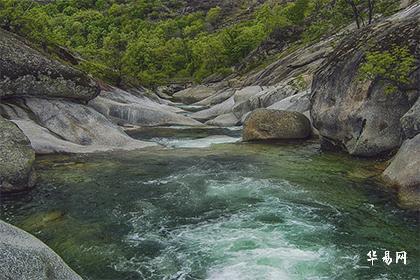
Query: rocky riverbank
{"points": [[49, 107], [62, 110]]}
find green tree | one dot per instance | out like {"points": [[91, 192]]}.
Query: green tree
{"points": [[213, 15], [114, 47], [393, 66]]}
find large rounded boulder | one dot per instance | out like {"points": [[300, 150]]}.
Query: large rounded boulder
{"points": [[359, 116], [404, 169], [267, 124], [24, 257], [404, 172], [16, 159]]}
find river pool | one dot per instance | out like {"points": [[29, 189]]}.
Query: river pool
{"points": [[205, 207]]}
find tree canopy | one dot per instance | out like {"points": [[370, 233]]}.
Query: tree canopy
{"points": [[149, 42]]}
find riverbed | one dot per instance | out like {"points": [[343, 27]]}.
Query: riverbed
{"points": [[205, 206]]}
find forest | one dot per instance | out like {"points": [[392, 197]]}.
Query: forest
{"points": [[140, 42]]}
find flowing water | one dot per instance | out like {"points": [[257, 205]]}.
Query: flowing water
{"points": [[206, 208]]}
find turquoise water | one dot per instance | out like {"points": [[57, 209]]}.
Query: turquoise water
{"points": [[224, 211]]}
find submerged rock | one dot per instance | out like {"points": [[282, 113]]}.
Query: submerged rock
{"points": [[404, 171], [24, 257], [16, 159], [266, 124], [26, 72], [358, 116]]}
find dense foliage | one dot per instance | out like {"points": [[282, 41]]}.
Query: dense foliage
{"points": [[150, 42], [393, 66]]}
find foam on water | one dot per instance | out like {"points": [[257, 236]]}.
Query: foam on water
{"points": [[195, 143], [248, 241], [224, 212]]}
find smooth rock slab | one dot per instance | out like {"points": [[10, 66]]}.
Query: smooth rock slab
{"points": [[215, 111], [58, 126], [266, 124], [262, 99], [24, 257], [125, 108], [26, 72], [194, 94], [226, 120], [299, 103]]}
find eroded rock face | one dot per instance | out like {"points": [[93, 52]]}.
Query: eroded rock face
{"points": [[125, 108], [55, 126], [16, 159], [303, 61], [26, 72], [359, 117], [24, 257], [266, 124]]}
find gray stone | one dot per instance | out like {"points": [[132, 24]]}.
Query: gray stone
{"points": [[24, 257], [246, 93], [262, 99], [195, 94], [404, 172], [63, 126], [226, 120], [410, 122], [16, 159], [303, 61], [404, 169], [26, 72], [125, 108], [358, 116], [299, 103], [217, 110], [217, 98], [266, 124]]}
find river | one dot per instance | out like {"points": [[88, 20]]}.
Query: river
{"points": [[205, 207]]}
